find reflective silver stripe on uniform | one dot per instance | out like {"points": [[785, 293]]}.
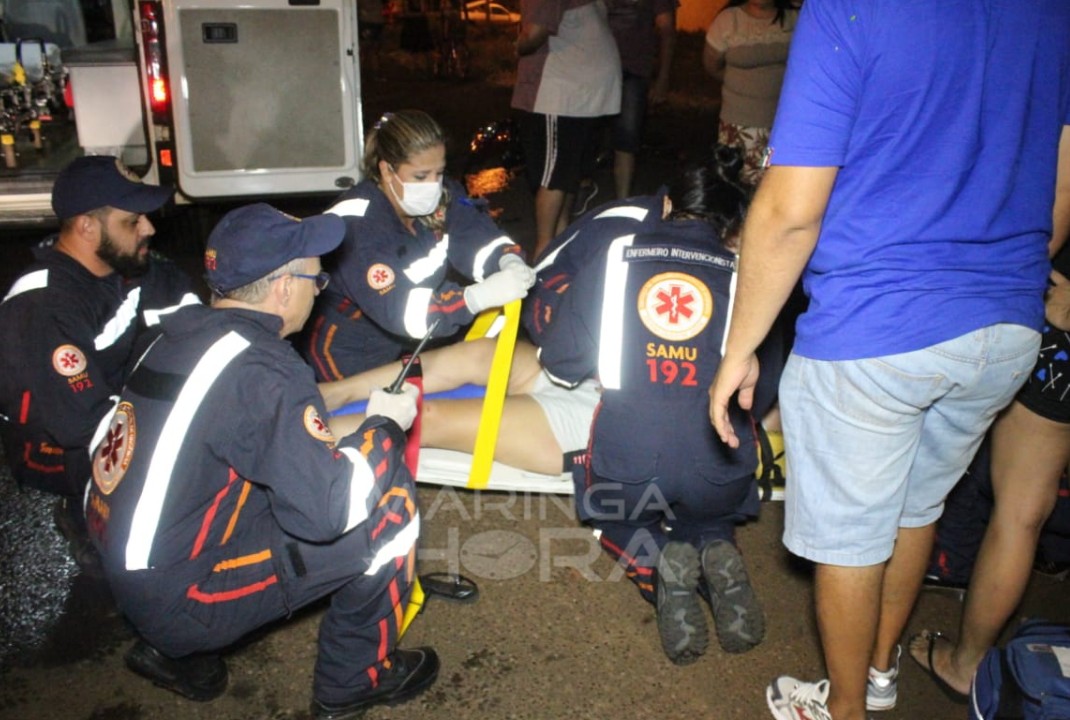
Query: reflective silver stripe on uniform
{"points": [[162, 465], [361, 483], [152, 317], [416, 311], [124, 316], [484, 254], [356, 207], [399, 546], [612, 333], [423, 268], [731, 302], [634, 212], [546, 261], [30, 281]]}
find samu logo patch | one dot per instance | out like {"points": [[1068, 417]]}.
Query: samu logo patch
{"points": [[317, 428], [68, 360], [116, 450], [675, 306]]}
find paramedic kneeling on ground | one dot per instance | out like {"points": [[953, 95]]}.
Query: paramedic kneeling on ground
{"points": [[220, 501]]}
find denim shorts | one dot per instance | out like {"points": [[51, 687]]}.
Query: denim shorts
{"points": [[876, 444]]}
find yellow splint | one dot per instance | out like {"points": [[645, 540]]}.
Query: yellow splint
{"points": [[497, 385], [489, 421], [416, 604]]}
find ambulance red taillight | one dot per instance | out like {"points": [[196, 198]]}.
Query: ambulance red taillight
{"points": [[152, 44]]}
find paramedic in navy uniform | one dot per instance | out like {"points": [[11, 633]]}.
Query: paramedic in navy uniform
{"points": [[406, 227], [647, 317], [221, 501], [71, 325]]}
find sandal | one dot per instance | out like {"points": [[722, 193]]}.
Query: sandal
{"points": [[931, 637]]}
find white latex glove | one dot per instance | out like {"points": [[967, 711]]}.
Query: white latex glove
{"points": [[498, 289], [399, 407], [514, 264]]}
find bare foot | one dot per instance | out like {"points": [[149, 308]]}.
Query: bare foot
{"points": [[932, 650]]}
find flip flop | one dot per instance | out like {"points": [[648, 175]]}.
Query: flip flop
{"points": [[448, 586], [931, 638]]}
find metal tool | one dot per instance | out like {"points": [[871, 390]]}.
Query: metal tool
{"points": [[396, 386]]}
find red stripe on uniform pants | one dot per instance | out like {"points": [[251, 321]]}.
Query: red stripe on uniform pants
{"points": [[194, 593], [639, 570], [209, 516]]}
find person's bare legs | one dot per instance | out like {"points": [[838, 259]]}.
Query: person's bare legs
{"points": [[525, 439], [903, 576], [623, 173], [861, 613], [848, 602], [1029, 454], [444, 368], [548, 207]]}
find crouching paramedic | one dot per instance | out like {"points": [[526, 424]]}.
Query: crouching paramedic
{"points": [[647, 317], [220, 501]]}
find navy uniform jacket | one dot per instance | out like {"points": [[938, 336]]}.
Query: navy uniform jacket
{"points": [[67, 342], [218, 451], [649, 320], [578, 246], [388, 285]]}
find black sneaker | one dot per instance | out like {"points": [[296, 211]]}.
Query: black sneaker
{"points": [[196, 677], [410, 673], [681, 621], [737, 615]]}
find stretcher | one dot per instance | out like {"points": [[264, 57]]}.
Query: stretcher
{"points": [[478, 470]]}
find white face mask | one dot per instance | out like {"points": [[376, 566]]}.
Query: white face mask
{"points": [[418, 198]]}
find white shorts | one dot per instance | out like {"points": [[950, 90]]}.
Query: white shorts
{"points": [[568, 410]]}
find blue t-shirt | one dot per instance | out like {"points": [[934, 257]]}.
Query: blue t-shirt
{"points": [[944, 120]]}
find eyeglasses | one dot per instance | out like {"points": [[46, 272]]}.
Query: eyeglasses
{"points": [[321, 278]]}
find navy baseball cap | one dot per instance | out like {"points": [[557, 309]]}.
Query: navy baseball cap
{"points": [[250, 242], [97, 181]]}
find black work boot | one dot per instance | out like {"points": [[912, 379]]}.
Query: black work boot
{"points": [[200, 677], [410, 673], [681, 621]]}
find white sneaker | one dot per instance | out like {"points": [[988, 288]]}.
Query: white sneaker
{"points": [[882, 686], [791, 699]]}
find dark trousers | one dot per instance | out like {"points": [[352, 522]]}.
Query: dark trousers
{"points": [[637, 519], [206, 609]]}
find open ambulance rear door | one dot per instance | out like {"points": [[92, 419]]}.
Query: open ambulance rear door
{"points": [[253, 98]]}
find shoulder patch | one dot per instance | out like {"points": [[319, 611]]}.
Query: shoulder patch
{"points": [[380, 276], [675, 306], [316, 427], [113, 456], [68, 360]]}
